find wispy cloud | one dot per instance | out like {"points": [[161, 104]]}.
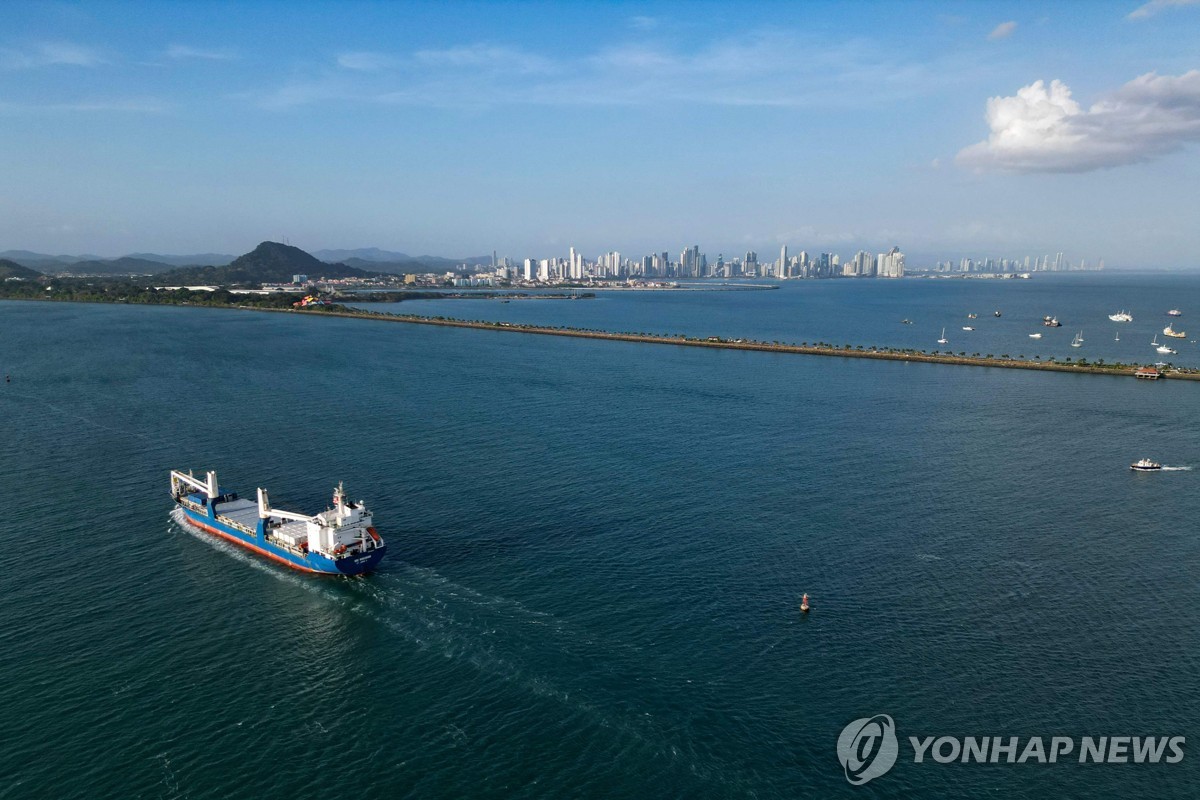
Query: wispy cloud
{"points": [[1154, 6], [48, 54], [182, 51], [766, 69], [484, 56], [367, 62], [1043, 129], [643, 23], [120, 105], [1002, 31], [309, 93]]}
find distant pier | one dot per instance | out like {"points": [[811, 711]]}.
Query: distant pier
{"points": [[715, 342]]}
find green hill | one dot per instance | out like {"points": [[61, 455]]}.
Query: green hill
{"points": [[270, 262], [11, 269], [126, 265]]}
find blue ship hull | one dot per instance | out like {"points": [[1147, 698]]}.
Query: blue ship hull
{"points": [[358, 564]]}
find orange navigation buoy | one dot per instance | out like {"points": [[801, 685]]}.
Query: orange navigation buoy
{"points": [[804, 603]]}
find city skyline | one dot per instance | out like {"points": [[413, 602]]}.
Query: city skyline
{"points": [[459, 129]]}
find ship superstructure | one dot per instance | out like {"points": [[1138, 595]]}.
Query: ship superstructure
{"points": [[338, 541]]}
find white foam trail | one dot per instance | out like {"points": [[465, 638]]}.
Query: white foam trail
{"points": [[1176, 469], [81, 418], [438, 629]]}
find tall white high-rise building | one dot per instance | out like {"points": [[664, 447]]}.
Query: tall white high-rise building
{"points": [[890, 264]]}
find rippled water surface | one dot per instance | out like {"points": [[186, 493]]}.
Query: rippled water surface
{"points": [[596, 554]]}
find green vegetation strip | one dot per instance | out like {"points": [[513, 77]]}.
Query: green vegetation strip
{"points": [[121, 291], [818, 349]]}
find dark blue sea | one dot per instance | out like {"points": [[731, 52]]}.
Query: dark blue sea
{"points": [[597, 549]]}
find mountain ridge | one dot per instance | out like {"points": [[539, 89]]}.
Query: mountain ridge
{"points": [[270, 262], [11, 269]]}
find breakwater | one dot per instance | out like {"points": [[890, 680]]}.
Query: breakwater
{"points": [[714, 342]]}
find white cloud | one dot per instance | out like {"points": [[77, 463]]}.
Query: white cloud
{"points": [[132, 105], [766, 69], [1002, 31], [47, 54], [126, 105], [303, 94], [1043, 129], [366, 62], [485, 57], [643, 23], [1155, 6], [183, 51]]}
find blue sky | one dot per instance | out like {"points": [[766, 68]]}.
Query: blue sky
{"points": [[456, 128]]}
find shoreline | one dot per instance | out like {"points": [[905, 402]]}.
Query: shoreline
{"points": [[714, 343], [762, 347]]}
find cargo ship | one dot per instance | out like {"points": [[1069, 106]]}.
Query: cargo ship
{"points": [[337, 541]]}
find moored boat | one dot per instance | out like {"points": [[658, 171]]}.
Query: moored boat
{"points": [[1170, 331], [1051, 322], [1174, 312], [1121, 316], [338, 541], [1161, 348]]}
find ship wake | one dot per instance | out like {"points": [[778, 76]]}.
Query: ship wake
{"points": [[495, 636]]}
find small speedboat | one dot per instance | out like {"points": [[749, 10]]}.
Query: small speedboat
{"points": [[967, 328], [995, 313], [1174, 312], [1035, 336], [1145, 465]]}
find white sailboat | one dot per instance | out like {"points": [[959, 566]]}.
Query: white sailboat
{"points": [[1118, 337], [1078, 340], [943, 340]]}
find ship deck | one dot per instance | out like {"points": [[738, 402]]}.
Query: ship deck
{"points": [[293, 527], [243, 513], [244, 516]]}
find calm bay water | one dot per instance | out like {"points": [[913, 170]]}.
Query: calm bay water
{"points": [[869, 313], [596, 551]]}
